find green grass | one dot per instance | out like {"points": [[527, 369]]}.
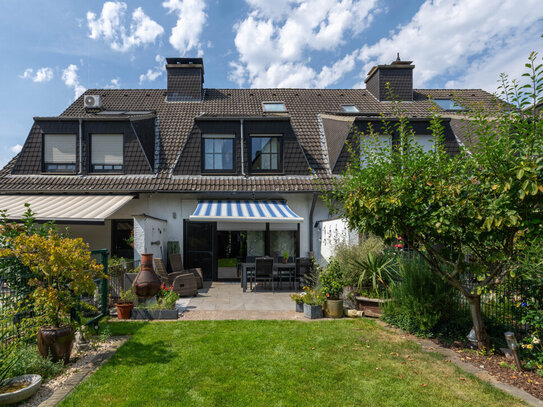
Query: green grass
{"points": [[276, 363]]}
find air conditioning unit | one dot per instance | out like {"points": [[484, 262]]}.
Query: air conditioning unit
{"points": [[92, 102]]}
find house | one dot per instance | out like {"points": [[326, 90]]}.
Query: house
{"points": [[227, 173]]}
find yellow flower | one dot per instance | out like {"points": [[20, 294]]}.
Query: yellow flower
{"points": [[530, 346]]}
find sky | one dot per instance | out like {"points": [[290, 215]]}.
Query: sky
{"points": [[52, 51]]}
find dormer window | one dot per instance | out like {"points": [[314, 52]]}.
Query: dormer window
{"points": [[59, 152], [266, 153], [274, 107], [448, 104], [107, 152], [218, 153], [350, 108]]}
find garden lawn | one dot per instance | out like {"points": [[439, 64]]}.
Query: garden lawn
{"points": [[276, 363]]}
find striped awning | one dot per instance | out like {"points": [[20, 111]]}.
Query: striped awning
{"points": [[64, 208], [245, 211]]}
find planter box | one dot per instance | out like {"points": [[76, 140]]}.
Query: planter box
{"points": [[300, 307], [154, 314], [370, 306], [312, 311]]}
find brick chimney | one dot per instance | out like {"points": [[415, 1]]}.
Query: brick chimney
{"points": [[185, 79], [399, 74]]}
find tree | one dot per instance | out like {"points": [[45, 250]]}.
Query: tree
{"points": [[470, 215]]}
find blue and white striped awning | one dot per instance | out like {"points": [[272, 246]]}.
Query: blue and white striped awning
{"points": [[245, 211]]}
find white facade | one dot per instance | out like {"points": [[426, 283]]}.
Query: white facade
{"points": [[333, 233]]}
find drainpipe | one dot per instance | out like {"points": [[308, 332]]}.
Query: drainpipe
{"points": [[241, 148], [313, 203], [80, 146]]}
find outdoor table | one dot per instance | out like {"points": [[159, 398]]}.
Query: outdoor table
{"points": [[245, 267]]}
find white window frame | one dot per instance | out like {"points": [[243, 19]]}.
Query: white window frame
{"points": [[272, 110]]}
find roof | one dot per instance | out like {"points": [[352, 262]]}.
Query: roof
{"points": [[177, 119]]}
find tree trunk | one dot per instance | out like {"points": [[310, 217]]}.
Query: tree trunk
{"points": [[483, 341]]}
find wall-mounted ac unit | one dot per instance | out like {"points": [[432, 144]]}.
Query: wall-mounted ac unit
{"points": [[92, 102]]}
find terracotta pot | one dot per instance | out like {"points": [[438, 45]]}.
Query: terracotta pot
{"points": [[285, 260], [147, 283], [56, 342], [124, 311], [334, 308]]}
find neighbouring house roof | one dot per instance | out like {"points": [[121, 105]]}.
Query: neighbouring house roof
{"points": [[310, 112]]}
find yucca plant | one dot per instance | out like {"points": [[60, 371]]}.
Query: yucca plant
{"points": [[378, 268]]}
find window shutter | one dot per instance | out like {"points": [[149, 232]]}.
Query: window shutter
{"points": [[107, 149], [59, 148]]}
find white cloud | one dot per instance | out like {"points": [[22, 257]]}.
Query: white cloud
{"points": [[274, 40], [16, 148], [113, 84], [153, 73], [469, 39], [190, 23], [44, 74], [71, 79], [110, 27]]}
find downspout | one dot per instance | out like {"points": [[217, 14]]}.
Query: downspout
{"points": [[241, 148], [80, 146], [313, 203]]}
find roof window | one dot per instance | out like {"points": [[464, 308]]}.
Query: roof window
{"points": [[274, 107], [448, 104], [350, 108]]}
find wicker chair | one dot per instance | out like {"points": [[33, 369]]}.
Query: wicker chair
{"points": [[184, 283], [177, 267]]}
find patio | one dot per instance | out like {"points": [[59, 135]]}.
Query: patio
{"points": [[226, 300]]}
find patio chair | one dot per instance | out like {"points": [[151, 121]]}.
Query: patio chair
{"points": [[263, 270], [184, 283], [177, 267]]}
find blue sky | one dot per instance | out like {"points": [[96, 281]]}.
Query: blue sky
{"points": [[53, 51]]}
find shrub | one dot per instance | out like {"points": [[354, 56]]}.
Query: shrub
{"points": [[29, 361], [377, 272], [420, 301], [346, 255], [331, 280], [127, 297]]}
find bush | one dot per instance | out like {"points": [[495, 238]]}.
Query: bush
{"points": [[331, 280], [29, 361], [421, 303], [347, 254]]}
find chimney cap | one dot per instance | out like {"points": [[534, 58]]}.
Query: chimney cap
{"points": [[184, 61], [398, 63]]}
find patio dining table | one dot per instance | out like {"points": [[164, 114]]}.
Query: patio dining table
{"points": [[247, 267]]}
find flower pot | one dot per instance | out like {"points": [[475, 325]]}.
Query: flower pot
{"points": [[285, 260], [299, 307], [334, 308], [56, 342], [312, 311], [147, 283], [124, 311], [27, 386]]}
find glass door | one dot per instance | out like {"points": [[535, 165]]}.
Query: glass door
{"points": [[199, 245]]}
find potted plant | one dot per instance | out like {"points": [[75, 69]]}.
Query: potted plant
{"points": [[313, 301], [285, 257], [63, 272], [125, 304], [298, 298], [163, 308], [331, 281]]}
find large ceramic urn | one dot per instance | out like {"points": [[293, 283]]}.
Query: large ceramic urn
{"points": [[147, 283]]}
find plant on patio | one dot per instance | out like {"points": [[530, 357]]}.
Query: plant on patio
{"points": [[377, 272], [313, 297], [63, 271], [331, 280], [125, 304], [468, 216]]}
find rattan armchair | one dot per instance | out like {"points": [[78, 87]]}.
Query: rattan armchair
{"points": [[177, 267], [184, 283]]}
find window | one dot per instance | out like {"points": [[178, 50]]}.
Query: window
{"points": [[426, 141], [266, 153], [218, 152], [373, 144], [274, 107], [448, 104], [350, 108], [107, 152], [59, 152]]}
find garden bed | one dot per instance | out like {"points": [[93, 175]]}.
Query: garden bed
{"points": [[503, 369]]}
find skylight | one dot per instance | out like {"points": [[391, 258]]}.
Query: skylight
{"points": [[448, 104], [274, 107], [350, 108]]}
